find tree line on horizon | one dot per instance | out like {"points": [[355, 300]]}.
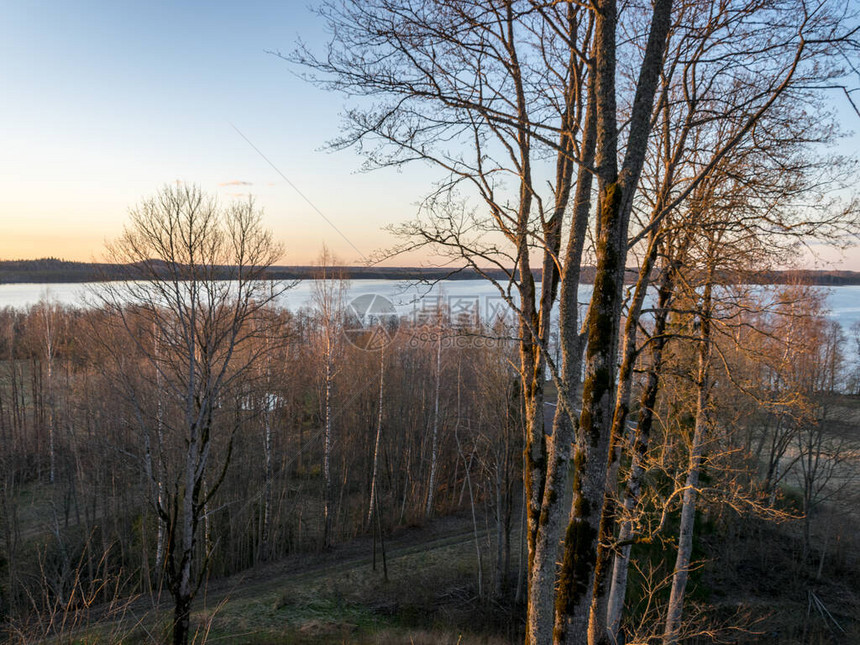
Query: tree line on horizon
{"points": [[55, 270]]}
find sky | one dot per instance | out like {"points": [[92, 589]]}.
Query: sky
{"points": [[102, 103]]}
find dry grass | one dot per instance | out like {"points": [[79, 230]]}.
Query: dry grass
{"points": [[335, 598]]}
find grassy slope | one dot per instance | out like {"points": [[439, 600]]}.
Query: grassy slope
{"points": [[334, 597]]}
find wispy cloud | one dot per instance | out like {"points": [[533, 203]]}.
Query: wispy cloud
{"points": [[236, 182]]}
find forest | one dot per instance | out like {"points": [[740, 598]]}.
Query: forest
{"points": [[673, 462], [179, 431]]}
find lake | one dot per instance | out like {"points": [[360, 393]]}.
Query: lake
{"points": [[468, 297]]}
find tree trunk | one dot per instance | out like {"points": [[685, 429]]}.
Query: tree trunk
{"points": [[600, 599], [555, 501], [434, 446], [267, 485], [327, 483], [374, 472], [184, 589], [592, 459], [181, 620], [685, 533], [618, 589], [688, 507]]}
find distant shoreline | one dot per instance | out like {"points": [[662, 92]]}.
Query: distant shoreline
{"points": [[52, 270]]}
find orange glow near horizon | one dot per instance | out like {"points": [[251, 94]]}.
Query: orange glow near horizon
{"points": [[300, 250], [31, 246]]}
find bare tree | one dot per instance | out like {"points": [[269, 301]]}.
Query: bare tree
{"points": [[373, 503], [434, 442], [195, 286], [330, 291]]}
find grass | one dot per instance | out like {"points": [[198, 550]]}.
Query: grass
{"points": [[429, 597], [350, 603]]}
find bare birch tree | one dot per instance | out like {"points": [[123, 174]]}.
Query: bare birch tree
{"points": [[434, 438], [329, 299], [49, 320]]}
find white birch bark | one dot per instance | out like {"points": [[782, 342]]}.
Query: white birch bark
{"points": [[329, 293], [267, 490], [685, 533], [49, 323], [434, 445], [374, 472]]}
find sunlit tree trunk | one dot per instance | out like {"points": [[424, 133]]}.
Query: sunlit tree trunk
{"points": [[642, 435], [555, 503], [688, 507], [629, 354], [592, 458]]}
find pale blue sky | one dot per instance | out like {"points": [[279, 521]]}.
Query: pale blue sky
{"points": [[101, 103]]}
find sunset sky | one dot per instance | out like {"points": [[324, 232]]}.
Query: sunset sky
{"points": [[104, 102]]}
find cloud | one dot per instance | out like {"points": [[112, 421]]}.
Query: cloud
{"points": [[236, 182]]}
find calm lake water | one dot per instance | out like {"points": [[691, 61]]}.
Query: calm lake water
{"points": [[466, 296]]}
